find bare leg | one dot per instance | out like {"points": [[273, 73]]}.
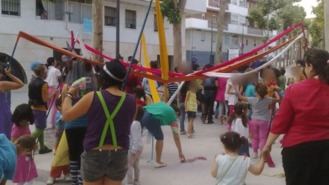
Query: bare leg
{"points": [[111, 182], [190, 127], [158, 150], [99, 182]]}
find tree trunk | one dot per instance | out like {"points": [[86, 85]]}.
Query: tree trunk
{"points": [[220, 30], [177, 28], [177, 31], [97, 39], [326, 23]]}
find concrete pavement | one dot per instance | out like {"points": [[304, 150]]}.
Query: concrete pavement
{"points": [[205, 143]]}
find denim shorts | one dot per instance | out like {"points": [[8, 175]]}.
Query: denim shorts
{"points": [[153, 125], [97, 164]]}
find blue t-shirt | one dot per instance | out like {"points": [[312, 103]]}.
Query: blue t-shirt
{"points": [[7, 158], [250, 90]]}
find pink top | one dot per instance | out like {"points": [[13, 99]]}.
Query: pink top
{"points": [[221, 87], [17, 132], [303, 114]]}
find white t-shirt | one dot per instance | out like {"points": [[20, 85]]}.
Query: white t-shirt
{"points": [[52, 76], [136, 142], [237, 126], [231, 98], [232, 170]]}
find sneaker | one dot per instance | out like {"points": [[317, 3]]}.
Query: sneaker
{"points": [[50, 181], [44, 150], [67, 178], [159, 165], [182, 132]]}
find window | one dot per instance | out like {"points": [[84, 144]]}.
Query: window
{"points": [[110, 16], [131, 19], [11, 7], [234, 19], [213, 3]]}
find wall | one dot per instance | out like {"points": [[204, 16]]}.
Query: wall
{"points": [[57, 32]]}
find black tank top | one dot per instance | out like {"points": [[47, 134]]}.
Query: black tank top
{"points": [[35, 92]]}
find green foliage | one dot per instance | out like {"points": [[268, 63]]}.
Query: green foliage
{"points": [[316, 26], [171, 11], [275, 14]]}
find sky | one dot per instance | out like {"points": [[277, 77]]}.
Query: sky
{"points": [[308, 4]]}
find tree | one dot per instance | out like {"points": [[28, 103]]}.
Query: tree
{"points": [[97, 14], [326, 28], [316, 26], [174, 11], [275, 14], [220, 29]]}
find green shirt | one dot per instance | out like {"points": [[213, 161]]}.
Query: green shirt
{"points": [[162, 112]]}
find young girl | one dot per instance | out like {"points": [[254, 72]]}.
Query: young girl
{"points": [[230, 168], [259, 125], [25, 166], [191, 107], [38, 97], [135, 149], [238, 121], [24, 146]]}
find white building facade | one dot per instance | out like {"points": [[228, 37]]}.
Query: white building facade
{"points": [[53, 20], [201, 32]]}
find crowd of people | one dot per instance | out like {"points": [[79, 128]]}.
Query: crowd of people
{"points": [[99, 124]]}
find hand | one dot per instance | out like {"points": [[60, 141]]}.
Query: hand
{"points": [[7, 71], [266, 150], [73, 90]]}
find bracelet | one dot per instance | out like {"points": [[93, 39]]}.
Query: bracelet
{"points": [[69, 95]]}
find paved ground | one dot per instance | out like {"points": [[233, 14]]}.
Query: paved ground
{"points": [[205, 143]]}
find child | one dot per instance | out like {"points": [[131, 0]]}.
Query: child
{"points": [[238, 121], [261, 106], [24, 146], [25, 166], [38, 98], [231, 168], [191, 107], [136, 148]]}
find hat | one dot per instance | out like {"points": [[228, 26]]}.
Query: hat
{"points": [[35, 65]]}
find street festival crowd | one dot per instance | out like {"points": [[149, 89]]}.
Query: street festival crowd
{"points": [[102, 126]]}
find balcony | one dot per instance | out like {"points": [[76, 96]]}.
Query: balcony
{"points": [[198, 22], [196, 6]]}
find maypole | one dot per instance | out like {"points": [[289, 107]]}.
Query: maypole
{"points": [[118, 31]]}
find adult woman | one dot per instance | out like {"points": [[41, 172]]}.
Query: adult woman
{"points": [[303, 118], [5, 114], [53, 85], [105, 158], [155, 116], [38, 97]]}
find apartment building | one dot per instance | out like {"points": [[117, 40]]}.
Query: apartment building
{"points": [[238, 38], [53, 20]]}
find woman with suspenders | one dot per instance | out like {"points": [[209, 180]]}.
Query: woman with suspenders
{"points": [[110, 113]]}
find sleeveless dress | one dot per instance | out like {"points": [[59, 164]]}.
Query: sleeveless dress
{"points": [[25, 167], [5, 114]]}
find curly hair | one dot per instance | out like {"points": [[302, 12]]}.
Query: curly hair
{"points": [[22, 112]]}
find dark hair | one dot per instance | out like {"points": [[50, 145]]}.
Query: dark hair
{"points": [[239, 111], [261, 90], [50, 61], [134, 61], [140, 93], [26, 142], [319, 59], [139, 113], [231, 141], [282, 71], [116, 69], [154, 64], [39, 70], [22, 112]]}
